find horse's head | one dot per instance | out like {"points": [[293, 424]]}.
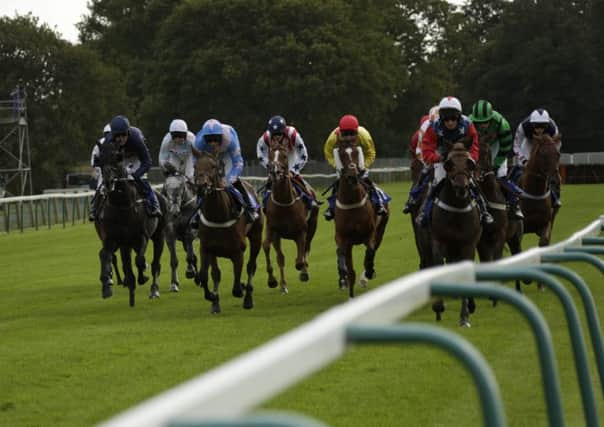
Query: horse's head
{"points": [[278, 165], [112, 165], [349, 161], [545, 156], [208, 173], [174, 190], [459, 167]]}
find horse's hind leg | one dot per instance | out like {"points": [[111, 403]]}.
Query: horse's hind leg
{"points": [[368, 264], [342, 270], [129, 280], [351, 274], [310, 234], [187, 244], [141, 263], [117, 270], [281, 263], [301, 263], [438, 307], [255, 243]]}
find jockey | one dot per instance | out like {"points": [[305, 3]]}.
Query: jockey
{"points": [[97, 173], [350, 131], [279, 132], [538, 123], [452, 126], [494, 129], [416, 141], [131, 141], [175, 154], [216, 137]]}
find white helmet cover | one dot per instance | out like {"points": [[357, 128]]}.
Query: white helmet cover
{"points": [[539, 116], [178, 125], [107, 128], [433, 114], [450, 103]]}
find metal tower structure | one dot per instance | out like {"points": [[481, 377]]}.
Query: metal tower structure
{"points": [[15, 153]]}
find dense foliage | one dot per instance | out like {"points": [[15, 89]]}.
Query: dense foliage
{"points": [[386, 61]]}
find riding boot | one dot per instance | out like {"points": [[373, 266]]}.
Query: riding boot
{"points": [[152, 204], [250, 211], [93, 206], [266, 191], [426, 206], [417, 190], [511, 192], [485, 217], [331, 201], [194, 221]]}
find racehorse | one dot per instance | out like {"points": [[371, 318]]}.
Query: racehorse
{"points": [[288, 216], [455, 221], [355, 219], [493, 237], [223, 230], [536, 199], [127, 226], [182, 203]]}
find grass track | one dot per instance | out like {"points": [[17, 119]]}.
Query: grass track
{"points": [[69, 358]]}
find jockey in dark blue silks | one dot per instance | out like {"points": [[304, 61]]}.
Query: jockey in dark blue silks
{"points": [[222, 139], [538, 123], [138, 160]]}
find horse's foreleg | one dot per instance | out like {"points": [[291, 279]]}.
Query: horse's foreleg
{"points": [[368, 264], [351, 274], [174, 283], [342, 271], [266, 247], [237, 260], [255, 239], [301, 263], [203, 276], [141, 263], [158, 249], [280, 263], [129, 279], [464, 314], [105, 256], [187, 244]]}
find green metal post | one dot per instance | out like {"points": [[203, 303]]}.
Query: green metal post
{"points": [[488, 389], [593, 241], [575, 256], [596, 250], [543, 338], [574, 327], [591, 312]]}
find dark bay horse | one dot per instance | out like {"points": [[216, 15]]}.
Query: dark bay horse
{"points": [[127, 226], [223, 231], [355, 219], [287, 217], [455, 221], [182, 203]]}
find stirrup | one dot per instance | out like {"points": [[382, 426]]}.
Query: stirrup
{"points": [[487, 218], [329, 214]]}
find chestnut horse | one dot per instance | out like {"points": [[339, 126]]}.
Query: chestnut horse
{"points": [[536, 201], [288, 216], [455, 221], [223, 230], [355, 219]]}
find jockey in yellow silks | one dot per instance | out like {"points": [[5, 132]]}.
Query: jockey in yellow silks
{"points": [[350, 131]]}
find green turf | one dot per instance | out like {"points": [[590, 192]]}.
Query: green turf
{"points": [[69, 358]]}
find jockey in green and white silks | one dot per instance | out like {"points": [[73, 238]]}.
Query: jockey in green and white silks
{"points": [[495, 130]]}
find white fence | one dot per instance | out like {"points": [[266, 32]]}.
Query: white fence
{"points": [[242, 384]]}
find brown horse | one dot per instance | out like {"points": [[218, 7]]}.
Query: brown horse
{"points": [[127, 226], [355, 219], [493, 238], [288, 217], [455, 221], [223, 231], [536, 200]]}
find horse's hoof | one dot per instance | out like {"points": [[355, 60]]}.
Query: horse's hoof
{"points": [[248, 303], [471, 306], [493, 302], [464, 324], [527, 281], [154, 295], [107, 292], [304, 276], [438, 316], [142, 279], [237, 291], [110, 282], [215, 309], [363, 280], [299, 266], [369, 274], [342, 284], [284, 290], [174, 287], [272, 283], [190, 274]]}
